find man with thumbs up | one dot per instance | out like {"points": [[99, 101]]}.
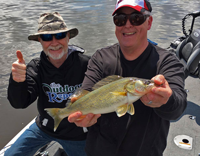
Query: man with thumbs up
{"points": [[50, 79]]}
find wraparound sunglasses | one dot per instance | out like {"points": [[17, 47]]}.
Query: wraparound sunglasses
{"points": [[49, 37], [134, 18]]}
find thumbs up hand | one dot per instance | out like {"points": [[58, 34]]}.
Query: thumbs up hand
{"points": [[19, 68]]}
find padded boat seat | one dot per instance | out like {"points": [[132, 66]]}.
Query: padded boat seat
{"points": [[188, 51]]}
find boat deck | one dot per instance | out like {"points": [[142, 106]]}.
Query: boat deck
{"points": [[188, 124]]}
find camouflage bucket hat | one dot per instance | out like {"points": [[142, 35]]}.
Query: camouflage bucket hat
{"points": [[52, 23]]}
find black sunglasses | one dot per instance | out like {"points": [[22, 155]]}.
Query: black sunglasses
{"points": [[134, 18], [49, 37]]}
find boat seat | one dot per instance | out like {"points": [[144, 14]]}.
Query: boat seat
{"points": [[188, 51]]}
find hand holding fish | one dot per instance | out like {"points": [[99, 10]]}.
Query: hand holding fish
{"points": [[88, 120], [19, 68], [111, 94], [159, 94], [82, 120]]}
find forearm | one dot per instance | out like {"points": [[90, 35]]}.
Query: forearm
{"points": [[18, 94], [174, 107], [178, 100]]}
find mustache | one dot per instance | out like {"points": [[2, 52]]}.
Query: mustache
{"points": [[54, 47]]}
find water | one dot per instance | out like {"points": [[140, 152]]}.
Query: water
{"points": [[93, 18]]}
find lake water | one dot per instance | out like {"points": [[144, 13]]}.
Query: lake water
{"points": [[93, 18]]}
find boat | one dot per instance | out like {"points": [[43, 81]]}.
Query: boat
{"points": [[51, 149], [183, 138]]}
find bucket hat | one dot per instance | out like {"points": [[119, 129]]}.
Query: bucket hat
{"points": [[139, 5], [52, 23]]}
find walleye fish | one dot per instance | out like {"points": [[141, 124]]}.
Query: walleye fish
{"points": [[113, 93]]}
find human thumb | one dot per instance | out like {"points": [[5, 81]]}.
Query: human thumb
{"points": [[20, 56]]}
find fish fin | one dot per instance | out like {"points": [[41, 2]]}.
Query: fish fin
{"points": [[131, 109], [77, 94], [119, 93], [106, 81], [121, 110], [54, 113]]}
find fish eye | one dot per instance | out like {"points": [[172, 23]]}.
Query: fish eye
{"points": [[147, 82]]}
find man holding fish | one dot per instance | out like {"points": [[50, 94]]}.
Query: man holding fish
{"points": [[143, 133], [51, 80]]}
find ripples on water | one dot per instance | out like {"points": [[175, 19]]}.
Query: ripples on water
{"points": [[92, 18]]}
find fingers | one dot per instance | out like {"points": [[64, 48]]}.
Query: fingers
{"points": [[89, 120], [159, 94], [163, 89], [159, 79], [18, 77], [152, 100], [19, 68], [20, 56], [74, 116]]}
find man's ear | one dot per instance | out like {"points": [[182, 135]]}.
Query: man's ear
{"points": [[150, 20], [39, 38]]}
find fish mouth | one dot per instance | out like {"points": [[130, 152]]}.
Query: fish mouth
{"points": [[149, 82]]}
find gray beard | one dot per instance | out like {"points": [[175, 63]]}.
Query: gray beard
{"points": [[57, 57]]}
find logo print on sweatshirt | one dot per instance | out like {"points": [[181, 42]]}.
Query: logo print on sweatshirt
{"points": [[57, 93]]}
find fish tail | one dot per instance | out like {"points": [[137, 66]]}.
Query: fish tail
{"points": [[54, 113]]}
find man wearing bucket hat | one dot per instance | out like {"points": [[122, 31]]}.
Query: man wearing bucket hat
{"points": [[145, 132], [51, 80]]}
